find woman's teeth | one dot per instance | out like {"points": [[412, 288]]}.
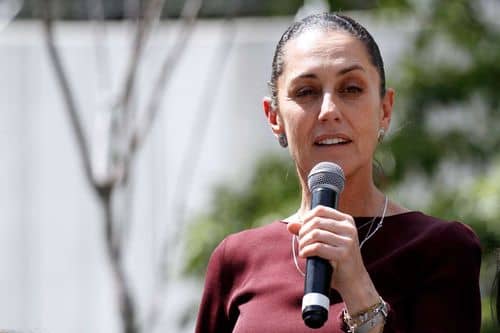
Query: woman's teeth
{"points": [[332, 141]]}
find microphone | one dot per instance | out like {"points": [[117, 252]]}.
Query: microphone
{"points": [[325, 181]]}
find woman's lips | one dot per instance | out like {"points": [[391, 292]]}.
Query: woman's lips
{"points": [[331, 140]]}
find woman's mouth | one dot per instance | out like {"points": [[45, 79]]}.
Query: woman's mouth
{"points": [[332, 141]]}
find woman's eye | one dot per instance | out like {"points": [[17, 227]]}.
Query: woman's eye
{"points": [[351, 90], [307, 91]]}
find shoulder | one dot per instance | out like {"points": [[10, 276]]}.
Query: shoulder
{"points": [[426, 227], [240, 246], [256, 237], [441, 240], [448, 233], [431, 238], [459, 241], [256, 232]]}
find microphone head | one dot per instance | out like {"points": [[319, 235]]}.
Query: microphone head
{"points": [[326, 174]]}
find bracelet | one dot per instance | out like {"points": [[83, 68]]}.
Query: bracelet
{"points": [[365, 320], [367, 326]]}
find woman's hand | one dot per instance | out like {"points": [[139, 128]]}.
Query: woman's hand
{"points": [[332, 235]]}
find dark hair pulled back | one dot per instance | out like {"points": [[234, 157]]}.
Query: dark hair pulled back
{"points": [[325, 21]]}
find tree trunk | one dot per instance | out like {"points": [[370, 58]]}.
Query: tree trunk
{"points": [[123, 292]]}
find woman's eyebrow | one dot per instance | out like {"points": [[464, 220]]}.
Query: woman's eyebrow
{"points": [[350, 69], [342, 71], [306, 76]]}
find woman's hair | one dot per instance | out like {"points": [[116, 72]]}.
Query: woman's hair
{"points": [[326, 22]]}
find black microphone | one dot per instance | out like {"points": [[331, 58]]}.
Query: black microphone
{"points": [[325, 181]]}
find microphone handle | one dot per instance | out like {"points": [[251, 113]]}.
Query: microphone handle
{"points": [[316, 301]]}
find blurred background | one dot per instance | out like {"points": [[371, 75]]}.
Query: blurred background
{"points": [[132, 140]]}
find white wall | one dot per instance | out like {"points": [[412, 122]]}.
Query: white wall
{"points": [[54, 275]]}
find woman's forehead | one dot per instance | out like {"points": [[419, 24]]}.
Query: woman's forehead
{"points": [[316, 49], [331, 45]]}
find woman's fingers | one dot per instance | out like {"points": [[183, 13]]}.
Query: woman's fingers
{"points": [[323, 237], [324, 218], [324, 211], [340, 227], [334, 254], [327, 245], [325, 232], [332, 235]]}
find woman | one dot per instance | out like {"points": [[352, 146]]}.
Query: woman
{"points": [[329, 103]]}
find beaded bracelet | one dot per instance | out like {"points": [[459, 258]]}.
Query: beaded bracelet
{"points": [[367, 319]]}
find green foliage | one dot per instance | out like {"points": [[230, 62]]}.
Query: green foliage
{"points": [[431, 81], [272, 193], [477, 203]]}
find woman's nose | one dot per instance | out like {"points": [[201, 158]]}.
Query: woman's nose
{"points": [[329, 109]]}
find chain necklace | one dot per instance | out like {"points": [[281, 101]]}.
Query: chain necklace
{"points": [[380, 223], [369, 234]]}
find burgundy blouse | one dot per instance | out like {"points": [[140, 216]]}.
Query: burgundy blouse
{"points": [[426, 269]]}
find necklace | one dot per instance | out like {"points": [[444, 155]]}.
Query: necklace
{"points": [[369, 234], [380, 223], [294, 237]]}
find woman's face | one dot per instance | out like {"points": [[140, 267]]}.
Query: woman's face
{"points": [[329, 102]]}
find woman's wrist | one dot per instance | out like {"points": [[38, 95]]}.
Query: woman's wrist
{"points": [[363, 302], [360, 294]]}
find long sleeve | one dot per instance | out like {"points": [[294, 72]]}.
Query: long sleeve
{"points": [[212, 316]]}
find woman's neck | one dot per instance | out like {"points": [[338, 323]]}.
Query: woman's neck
{"points": [[360, 197]]}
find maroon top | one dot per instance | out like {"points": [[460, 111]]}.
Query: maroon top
{"points": [[426, 269]]}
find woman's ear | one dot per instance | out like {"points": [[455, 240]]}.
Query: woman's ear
{"points": [[386, 110], [273, 118]]}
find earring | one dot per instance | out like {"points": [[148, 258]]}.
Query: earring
{"points": [[381, 134], [283, 141]]}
